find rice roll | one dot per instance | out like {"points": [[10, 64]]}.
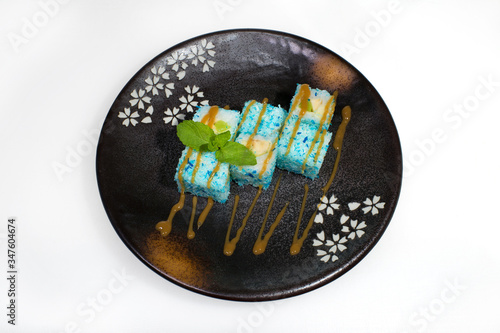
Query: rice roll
{"points": [[259, 130], [201, 173], [306, 152], [260, 174], [313, 106]]}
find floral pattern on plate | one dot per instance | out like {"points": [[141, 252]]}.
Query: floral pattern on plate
{"points": [[160, 84], [352, 226]]}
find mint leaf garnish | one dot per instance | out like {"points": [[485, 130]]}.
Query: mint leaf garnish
{"points": [[209, 147], [194, 134], [202, 138], [220, 139], [236, 154], [216, 142]]}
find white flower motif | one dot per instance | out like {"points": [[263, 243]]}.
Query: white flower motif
{"points": [[153, 84], [209, 46], [330, 205], [318, 218], [354, 229], [188, 102], [335, 244], [325, 256], [168, 89], [353, 205], [320, 240], [176, 60], [194, 90], [147, 119], [139, 98], [338, 243], [198, 52], [160, 72], [373, 205], [128, 118], [207, 65], [173, 116]]}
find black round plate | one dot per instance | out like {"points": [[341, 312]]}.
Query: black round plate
{"points": [[138, 152]]}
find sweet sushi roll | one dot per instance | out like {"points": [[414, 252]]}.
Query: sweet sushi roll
{"points": [[304, 152], [203, 184], [313, 106], [263, 117], [259, 131], [200, 173], [264, 150]]}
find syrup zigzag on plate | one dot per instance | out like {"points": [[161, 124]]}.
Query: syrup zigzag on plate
{"points": [[297, 143]]}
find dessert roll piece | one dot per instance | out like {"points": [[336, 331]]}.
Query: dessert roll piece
{"points": [[259, 131], [304, 151], [312, 106], [260, 174], [203, 184], [200, 173]]}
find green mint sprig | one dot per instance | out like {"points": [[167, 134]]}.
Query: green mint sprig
{"points": [[202, 138]]}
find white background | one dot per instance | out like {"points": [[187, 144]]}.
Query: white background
{"points": [[437, 267]]}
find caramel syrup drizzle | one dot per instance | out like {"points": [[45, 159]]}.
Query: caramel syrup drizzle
{"points": [[230, 245], [321, 142], [332, 101], [190, 233], [259, 120], [214, 171], [165, 227], [204, 213], [261, 243], [337, 144], [244, 117], [268, 158], [297, 242], [301, 99]]}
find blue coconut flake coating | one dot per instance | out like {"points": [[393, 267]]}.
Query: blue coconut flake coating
{"points": [[249, 174], [321, 100], [220, 184], [303, 140], [270, 124]]}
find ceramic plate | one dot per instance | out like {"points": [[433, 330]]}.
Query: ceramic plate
{"points": [[138, 152]]}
